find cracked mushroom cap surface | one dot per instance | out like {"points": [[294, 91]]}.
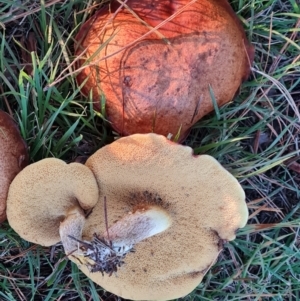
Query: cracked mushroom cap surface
{"points": [[13, 157], [44, 193], [205, 203], [160, 81]]}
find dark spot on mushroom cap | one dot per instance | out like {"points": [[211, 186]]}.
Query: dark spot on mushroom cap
{"points": [[140, 199], [221, 244], [196, 274]]}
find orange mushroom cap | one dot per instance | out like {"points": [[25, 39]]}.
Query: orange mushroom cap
{"points": [[156, 74]]}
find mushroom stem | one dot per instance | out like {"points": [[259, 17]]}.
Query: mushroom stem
{"points": [[106, 253], [70, 230], [137, 226]]}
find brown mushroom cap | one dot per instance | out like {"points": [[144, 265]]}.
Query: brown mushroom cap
{"points": [[44, 194], [159, 82], [205, 203], [13, 157]]}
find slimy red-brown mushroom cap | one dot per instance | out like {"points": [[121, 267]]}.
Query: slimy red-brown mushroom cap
{"points": [[161, 82], [13, 157]]}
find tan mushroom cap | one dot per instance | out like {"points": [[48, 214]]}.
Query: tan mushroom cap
{"points": [[44, 193], [13, 157], [205, 203], [160, 82]]}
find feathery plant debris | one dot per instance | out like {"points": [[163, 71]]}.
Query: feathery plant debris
{"points": [[256, 137], [101, 256]]}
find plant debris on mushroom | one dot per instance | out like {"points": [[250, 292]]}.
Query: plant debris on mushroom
{"points": [[107, 252], [13, 157], [159, 63]]}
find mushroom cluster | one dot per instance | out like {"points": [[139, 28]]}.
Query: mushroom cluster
{"points": [[160, 64], [144, 217], [13, 157]]}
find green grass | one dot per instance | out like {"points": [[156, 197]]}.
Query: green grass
{"points": [[256, 137]]}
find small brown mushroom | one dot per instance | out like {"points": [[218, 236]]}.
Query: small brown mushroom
{"points": [[46, 193], [13, 157], [157, 75]]}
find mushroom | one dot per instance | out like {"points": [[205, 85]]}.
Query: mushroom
{"points": [[46, 193], [159, 64], [200, 203], [13, 157], [158, 217]]}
